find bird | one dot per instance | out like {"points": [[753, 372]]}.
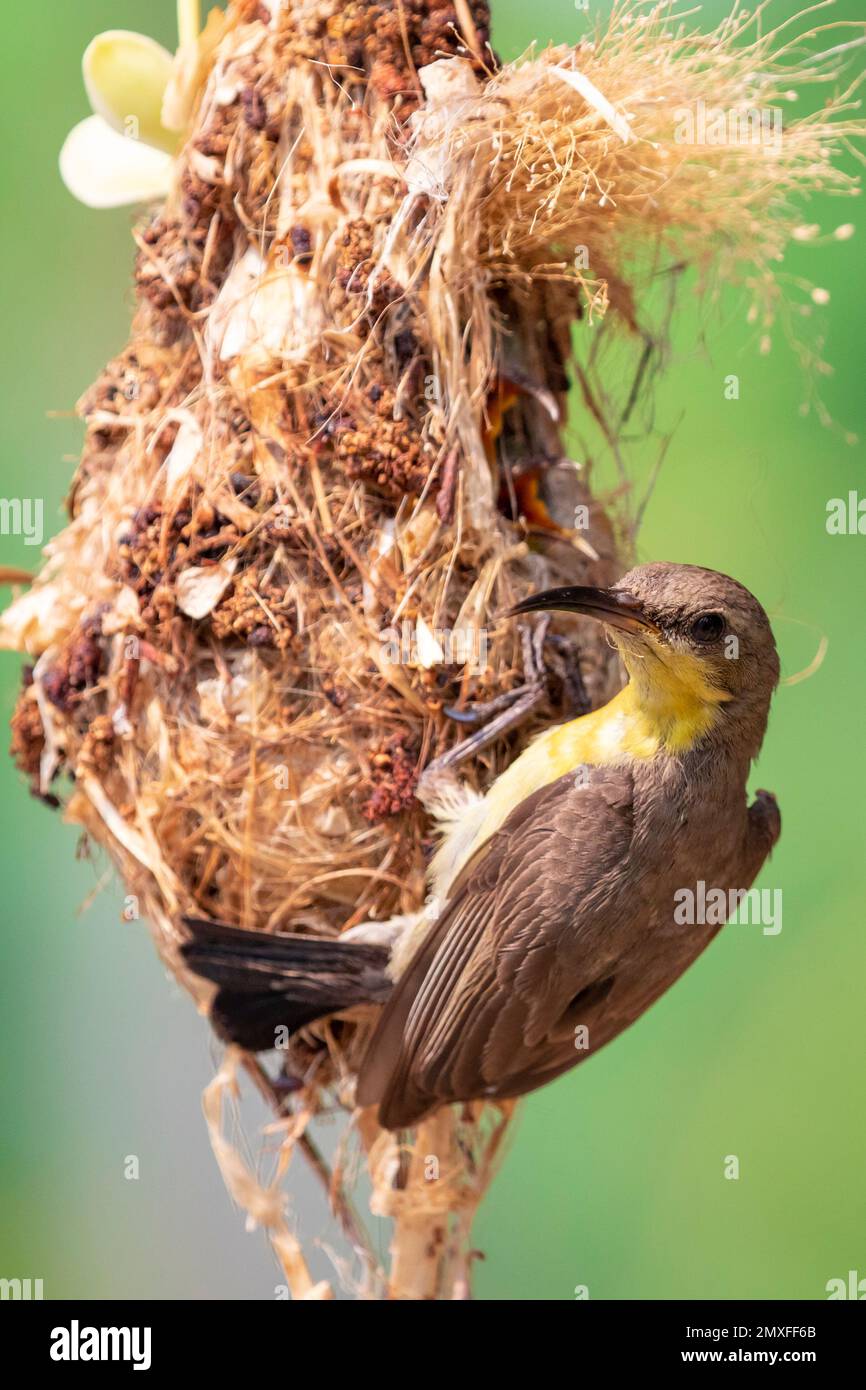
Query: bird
{"points": [[550, 924]]}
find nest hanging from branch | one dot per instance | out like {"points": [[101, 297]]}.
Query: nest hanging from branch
{"points": [[331, 454]]}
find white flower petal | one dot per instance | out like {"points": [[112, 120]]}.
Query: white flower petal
{"points": [[126, 75], [184, 452], [430, 652], [105, 170], [264, 313], [200, 588]]}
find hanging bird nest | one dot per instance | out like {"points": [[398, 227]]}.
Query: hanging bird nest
{"points": [[331, 455]]}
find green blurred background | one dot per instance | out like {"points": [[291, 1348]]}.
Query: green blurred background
{"points": [[614, 1177]]}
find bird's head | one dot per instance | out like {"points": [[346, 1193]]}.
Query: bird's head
{"points": [[691, 640]]}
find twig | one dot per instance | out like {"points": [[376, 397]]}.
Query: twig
{"points": [[339, 1202]]}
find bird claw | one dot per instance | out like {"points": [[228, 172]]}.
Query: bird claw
{"points": [[510, 709], [478, 713]]}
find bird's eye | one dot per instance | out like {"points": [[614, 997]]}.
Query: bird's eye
{"points": [[707, 628]]}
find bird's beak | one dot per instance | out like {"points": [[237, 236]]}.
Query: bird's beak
{"points": [[615, 607]]}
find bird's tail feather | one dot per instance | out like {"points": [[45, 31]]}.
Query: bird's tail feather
{"points": [[269, 982]]}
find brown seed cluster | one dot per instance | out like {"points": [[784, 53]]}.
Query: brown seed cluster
{"points": [[390, 41], [160, 543], [28, 735], [393, 778], [355, 266], [128, 391], [99, 746], [78, 668], [384, 451], [256, 611]]}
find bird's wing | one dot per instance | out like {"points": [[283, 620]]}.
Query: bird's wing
{"points": [[522, 953]]}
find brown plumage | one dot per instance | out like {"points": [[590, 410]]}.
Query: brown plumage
{"points": [[559, 930], [565, 920]]}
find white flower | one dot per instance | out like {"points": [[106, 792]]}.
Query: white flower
{"points": [[141, 97]]}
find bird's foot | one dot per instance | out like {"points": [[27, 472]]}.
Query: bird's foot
{"points": [[509, 710]]}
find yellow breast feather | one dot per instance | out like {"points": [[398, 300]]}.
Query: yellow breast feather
{"points": [[666, 706]]}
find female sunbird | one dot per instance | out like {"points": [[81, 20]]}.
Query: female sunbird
{"points": [[550, 924]]}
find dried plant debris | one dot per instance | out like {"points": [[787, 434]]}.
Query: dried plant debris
{"points": [[332, 454]]}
